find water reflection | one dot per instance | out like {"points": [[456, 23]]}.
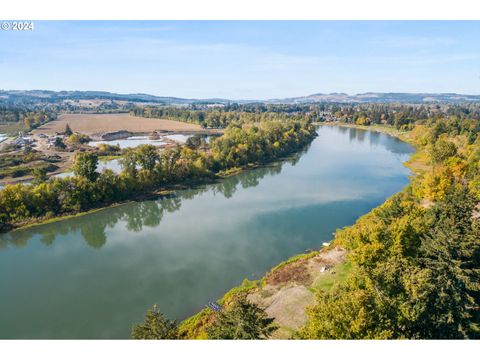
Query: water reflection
{"points": [[129, 142], [376, 139], [139, 214]]}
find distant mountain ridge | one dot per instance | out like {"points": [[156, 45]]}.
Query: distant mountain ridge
{"points": [[368, 97], [378, 97], [48, 95]]}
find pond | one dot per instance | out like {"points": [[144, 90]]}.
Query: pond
{"points": [[130, 142], [113, 165], [94, 276], [180, 138]]}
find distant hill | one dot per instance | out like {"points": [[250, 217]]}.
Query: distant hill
{"points": [[371, 97], [28, 96], [38, 96]]}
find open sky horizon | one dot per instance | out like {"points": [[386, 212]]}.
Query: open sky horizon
{"points": [[243, 59]]}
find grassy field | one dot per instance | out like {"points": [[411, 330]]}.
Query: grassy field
{"points": [[91, 124], [336, 275]]}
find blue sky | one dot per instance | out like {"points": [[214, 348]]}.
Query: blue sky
{"points": [[243, 60]]}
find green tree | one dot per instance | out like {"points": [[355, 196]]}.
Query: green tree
{"points": [[442, 150], [349, 311], [59, 144], [242, 320], [155, 327], [147, 157], [129, 163], [78, 139], [86, 165], [39, 175], [194, 142], [28, 122], [68, 131], [451, 251]]}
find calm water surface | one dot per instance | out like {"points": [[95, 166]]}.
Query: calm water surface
{"points": [[93, 276], [130, 142], [113, 165]]}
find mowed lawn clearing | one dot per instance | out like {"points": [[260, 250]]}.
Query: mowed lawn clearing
{"points": [[91, 124]]}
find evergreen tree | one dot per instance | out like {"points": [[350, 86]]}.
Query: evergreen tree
{"points": [[242, 320], [59, 144], [68, 131], [451, 251], [155, 327]]}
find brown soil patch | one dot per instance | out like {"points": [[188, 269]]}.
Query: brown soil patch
{"points": [[303, 271], [94, 124], [287, 305], [294, 272], [286, 294], [476, 212]]}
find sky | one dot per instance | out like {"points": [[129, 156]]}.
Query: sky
{"points": [[243, 59]]}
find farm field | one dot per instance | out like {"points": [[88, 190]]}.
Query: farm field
{"points": [[91, 124]]}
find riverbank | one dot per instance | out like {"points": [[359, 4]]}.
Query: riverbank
{"points": [[389, 130], [178, 167], [288, 289], [153, 195], [418, 162]]}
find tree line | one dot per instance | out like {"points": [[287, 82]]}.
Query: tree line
{"points": [[401, 116], [30, 117], [215, 117]]}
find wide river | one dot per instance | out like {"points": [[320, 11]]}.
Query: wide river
{"points": [[95, 275]]}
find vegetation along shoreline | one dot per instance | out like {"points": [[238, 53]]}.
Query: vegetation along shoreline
{"points": [[389, 269], [148, 171]]}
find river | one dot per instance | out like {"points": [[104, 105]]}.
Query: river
{"points": [[94, 276]]}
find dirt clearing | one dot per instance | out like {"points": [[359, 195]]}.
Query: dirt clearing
{"points": [[288, 289], [92, 124]]}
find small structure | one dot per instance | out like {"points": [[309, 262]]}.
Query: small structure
{"points": [[214, 306], [22, 141], [52, 140], [325, 268]]}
